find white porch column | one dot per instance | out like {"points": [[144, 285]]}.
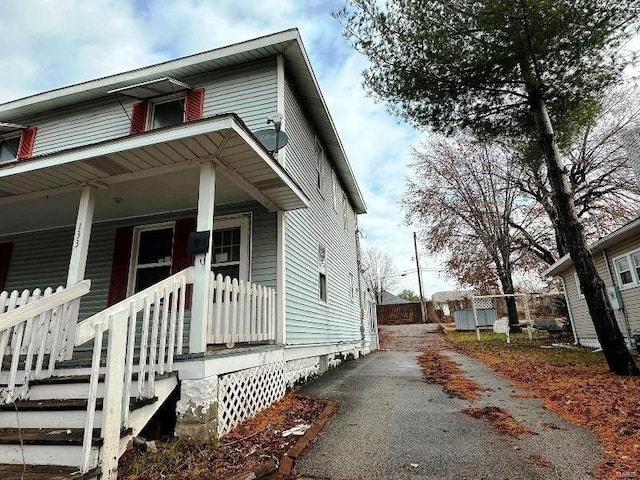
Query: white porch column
{"points": [[78, 261], [202, 265], [281, 287], [80, 246]]}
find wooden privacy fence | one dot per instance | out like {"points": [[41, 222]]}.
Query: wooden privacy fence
{"points": [[399, 313]]}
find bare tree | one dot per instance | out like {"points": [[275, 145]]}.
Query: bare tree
{"points": [[463, 195], [605, 190], [379, 272]]}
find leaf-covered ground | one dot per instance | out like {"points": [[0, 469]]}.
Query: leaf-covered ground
{"points": [[255, 445], [576, 385]]}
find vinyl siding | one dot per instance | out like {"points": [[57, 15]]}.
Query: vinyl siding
{"points": [[41, 259], [308, 319], [585, 330], [249, 91]]}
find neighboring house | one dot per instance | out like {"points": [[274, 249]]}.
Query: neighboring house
{"points": [[450, 300], [617, 259], [102, 185], [389, 298]]}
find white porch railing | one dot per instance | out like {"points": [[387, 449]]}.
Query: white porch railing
{"points": [[162, 306], [35, 324], [241, 312]]}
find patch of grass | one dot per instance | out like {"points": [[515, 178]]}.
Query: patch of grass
{"points": [[530, 350]]}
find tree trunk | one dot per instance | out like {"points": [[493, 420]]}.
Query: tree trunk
{"points": [[571, 237], [512, 311]]}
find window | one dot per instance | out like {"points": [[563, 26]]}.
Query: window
{"points": [[322, 273], [167, 113], [578, 286], [319, 167], [351, 285], [230, 247], [9, 148], [345, 220], [169, 110], [627, 269], [151, 261], [335, 189], [323, 287]]}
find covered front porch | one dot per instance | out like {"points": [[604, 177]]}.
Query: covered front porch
{"points": [[149, 193]]}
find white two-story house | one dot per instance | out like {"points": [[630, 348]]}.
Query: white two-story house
{"points": [[181, 250]]}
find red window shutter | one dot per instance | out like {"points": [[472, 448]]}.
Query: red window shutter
{"points": [[5, 255], [180, 259], [120, 265], [139, 117], [28, 140], [194, 105]]}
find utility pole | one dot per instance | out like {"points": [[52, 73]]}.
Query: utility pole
{"points": [[423, 310]]}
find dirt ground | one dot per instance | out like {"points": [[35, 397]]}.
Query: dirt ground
{"points": [[256, 445]]}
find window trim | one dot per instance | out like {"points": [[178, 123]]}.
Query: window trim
{"points": [[633, 270], [135, 244]]}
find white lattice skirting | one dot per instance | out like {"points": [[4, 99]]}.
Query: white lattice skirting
{"points": [[301, 368], [243, 394]]}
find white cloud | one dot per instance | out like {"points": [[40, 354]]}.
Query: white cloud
{"points": [[60, 42]]}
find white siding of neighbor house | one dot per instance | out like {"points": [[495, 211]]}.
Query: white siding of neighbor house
{"points": [[308, 319], [41, 259], [631, 297], [631, 141], [249, 91]]}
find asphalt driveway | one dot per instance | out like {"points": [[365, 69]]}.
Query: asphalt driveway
{"points": [[392, 425]]}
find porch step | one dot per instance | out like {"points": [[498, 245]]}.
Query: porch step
{"points": [[46, 436], [44, 472], [63, 413], [46, 446]]}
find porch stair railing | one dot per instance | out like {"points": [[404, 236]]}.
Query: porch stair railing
{"points": [[163, 307], [34, 331]]}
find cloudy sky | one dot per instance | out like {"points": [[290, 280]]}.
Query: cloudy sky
{"points": [[54, 43]]}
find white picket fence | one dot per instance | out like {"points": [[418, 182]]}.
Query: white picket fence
{"points": [[241, 312], [162, 306], [34, 329]]}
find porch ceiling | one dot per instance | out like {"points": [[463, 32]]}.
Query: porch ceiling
{"points": [[223, 139]]}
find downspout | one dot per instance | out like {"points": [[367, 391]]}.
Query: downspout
{"points": [[627, 325], [576, 340], [359, 270]]}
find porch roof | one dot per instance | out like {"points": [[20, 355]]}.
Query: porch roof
{"points": [[223, 139]]}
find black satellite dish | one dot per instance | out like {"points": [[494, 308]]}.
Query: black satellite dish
{"points": [[271, 140]]}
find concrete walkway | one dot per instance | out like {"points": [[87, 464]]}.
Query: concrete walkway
{"points": [[392, 425]]}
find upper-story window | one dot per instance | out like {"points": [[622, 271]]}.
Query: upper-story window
{"points": [[335, 190], [9, 148], [168, 112], [16, 142], [319, 166]]}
